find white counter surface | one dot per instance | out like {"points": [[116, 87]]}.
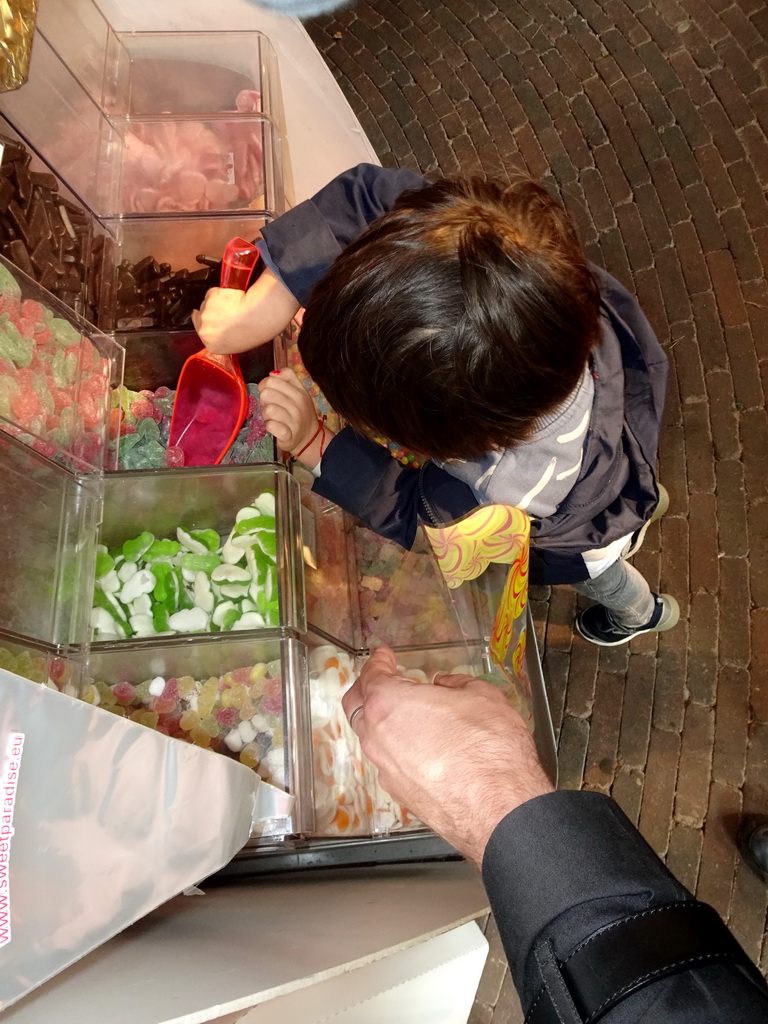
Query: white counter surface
{"points": [[200, 957]]}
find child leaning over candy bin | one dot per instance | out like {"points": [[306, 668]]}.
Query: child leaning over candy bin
{"points": [[463, 320]]}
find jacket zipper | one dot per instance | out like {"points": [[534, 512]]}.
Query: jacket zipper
{"points": [[431, 514]]}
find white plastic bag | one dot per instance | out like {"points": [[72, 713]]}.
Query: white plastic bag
{"points": [[101, 820]]}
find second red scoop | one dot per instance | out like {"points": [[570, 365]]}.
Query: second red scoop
{"points": [[211, 397]]}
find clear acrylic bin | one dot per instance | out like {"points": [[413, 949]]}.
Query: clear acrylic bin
{"points": [[59, 669], [154, 359], [48, 521], [350, 801], [153, 363], [57, 375], [134, 74], [83, 39], [196, 165], [154, 162], [330, 571], [157, 279], [364, 590], [194, 73], [160, 501], [76, 137], [341, 775], [243, 698], [44, 230]]}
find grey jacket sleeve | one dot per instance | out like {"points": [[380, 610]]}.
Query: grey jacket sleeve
{"points": [[561, 867]]}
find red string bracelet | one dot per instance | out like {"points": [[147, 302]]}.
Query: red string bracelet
{"points": [[320, 426]]}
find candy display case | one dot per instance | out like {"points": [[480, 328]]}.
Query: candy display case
{"points": [[153, 362], [154, 359], [237, 697], [364, 590], [330, 572], [66, 522], [146, 157], [404, 600], [192, 73], [218, 552], [349, 799], [161, 267], [41, 663], [48, 518], [134, 74], [44, 230], [58, 375], [79, 140], [194, 164], [356, 821], [83, 39]]}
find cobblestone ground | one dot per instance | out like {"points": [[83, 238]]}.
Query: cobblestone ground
{"points": [[649, 119]]}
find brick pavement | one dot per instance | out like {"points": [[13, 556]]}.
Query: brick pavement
{"points": [[649, 119]]}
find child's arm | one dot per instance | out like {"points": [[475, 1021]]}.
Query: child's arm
{"points": [[360, 475], [290, 417], [233, 321], [391, 499]]}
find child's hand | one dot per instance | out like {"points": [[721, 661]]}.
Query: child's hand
{"points": [[223, 321], [290, 416], [233, 321]]}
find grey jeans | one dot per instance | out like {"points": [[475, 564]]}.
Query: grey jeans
{"points": [[623, 591]]}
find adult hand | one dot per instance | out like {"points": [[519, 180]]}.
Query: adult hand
{"points": [[231, 321], [290, 416], [457, 754]]}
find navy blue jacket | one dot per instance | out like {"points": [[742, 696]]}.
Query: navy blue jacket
{"points": [[615, 490]]}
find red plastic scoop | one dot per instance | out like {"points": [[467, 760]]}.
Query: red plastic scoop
{"points": [[211, 398]]}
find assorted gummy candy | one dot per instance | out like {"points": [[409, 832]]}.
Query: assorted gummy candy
{"points": [[239, 713], [198, 582], [142, 422], [348, 798], [403, 597], [53, 672], [54, 384]]}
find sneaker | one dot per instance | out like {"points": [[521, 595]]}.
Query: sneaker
{"points": [[752, 841], [636, 541], [597, 625]]}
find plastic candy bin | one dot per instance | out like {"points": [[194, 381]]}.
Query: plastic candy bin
{"points": [[48, 518], [155, 279], [135, 74], [163, 501], [124, 155], [196, 165], [244, 698], [57, 375]]}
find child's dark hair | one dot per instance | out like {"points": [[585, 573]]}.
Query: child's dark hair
{"points": [[457, 321]]}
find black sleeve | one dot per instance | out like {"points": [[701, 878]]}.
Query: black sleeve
{"points": [[389, 498], [304, 242], [560, 868]]}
